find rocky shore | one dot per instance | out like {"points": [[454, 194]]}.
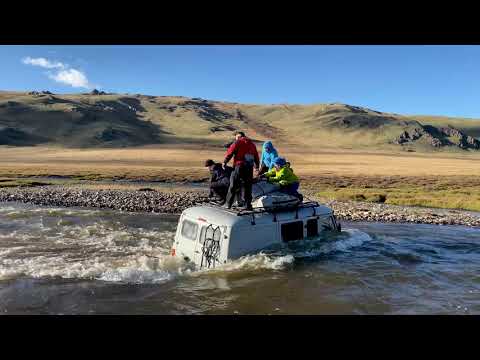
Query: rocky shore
{"points": [[125, 200], [360, 211], [147, 200]]}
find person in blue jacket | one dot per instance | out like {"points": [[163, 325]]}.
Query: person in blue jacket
{"points": [[269, 155]]}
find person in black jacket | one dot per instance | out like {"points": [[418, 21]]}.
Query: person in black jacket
{"points": [[219, 180]]}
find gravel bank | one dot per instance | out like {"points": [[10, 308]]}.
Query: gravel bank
{"points": [[354, 211], [176, 202], [125, 200]]}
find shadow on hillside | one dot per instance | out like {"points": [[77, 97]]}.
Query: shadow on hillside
{"points": [[14, 137], [104, 125]]}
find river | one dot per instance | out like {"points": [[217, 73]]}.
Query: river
{"points": [[84, 261]]}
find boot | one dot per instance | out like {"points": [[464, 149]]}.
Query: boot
{"points": [[246, 207]]}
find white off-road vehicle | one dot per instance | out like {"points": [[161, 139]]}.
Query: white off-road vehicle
{"points": [[210, 235]]}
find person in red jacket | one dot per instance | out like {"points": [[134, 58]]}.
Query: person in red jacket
{"points": [[245, 158]]}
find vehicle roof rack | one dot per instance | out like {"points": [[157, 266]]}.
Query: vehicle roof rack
{"points": [[240, 212]]}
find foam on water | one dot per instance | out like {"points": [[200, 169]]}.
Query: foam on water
{"points": [[354, 238], [260, 261], [147, 270], [21, 210], [128, 269], [285, 257], [46, 242], [142, 263]]}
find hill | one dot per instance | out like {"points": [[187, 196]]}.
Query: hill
{"points": [[119, 120]]}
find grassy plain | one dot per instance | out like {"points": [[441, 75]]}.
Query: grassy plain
{"points": [[446, 180]]}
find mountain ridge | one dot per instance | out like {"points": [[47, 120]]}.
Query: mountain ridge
{"points": [[101, 119]]}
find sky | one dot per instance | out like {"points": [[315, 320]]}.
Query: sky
{"points": [[433, 80]]}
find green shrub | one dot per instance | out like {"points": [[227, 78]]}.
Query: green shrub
{"points": [[377, 198]]}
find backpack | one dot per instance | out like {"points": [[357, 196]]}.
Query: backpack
{"points": [[276, 200], [263, 188]]}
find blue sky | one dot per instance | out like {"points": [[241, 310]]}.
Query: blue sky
{"points": [[436, 80]]}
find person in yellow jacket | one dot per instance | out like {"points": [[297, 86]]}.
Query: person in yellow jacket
{"points": [[282, 174]]}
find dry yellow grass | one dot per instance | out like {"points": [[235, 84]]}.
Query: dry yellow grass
{"points": [[437, 180], [177, 162]]}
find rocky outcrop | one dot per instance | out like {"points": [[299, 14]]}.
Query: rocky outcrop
{"points": [[206, 110], [438, 137], [214, 129], [36, 93], [408, 136], [97, 92], [405, 137], [170, 108], [356, 109], [462, 140]]}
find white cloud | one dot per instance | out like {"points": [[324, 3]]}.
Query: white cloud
{"points": [[42, 62], [72, 77], [63, 74]]}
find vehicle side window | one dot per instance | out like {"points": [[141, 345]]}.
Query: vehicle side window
{"points": [[312, 227], [292, 231], [189, 230]]}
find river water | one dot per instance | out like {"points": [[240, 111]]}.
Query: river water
{"points": [[82, 261]]}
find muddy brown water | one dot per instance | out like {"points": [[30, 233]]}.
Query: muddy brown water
{"points": [[84, 261]]}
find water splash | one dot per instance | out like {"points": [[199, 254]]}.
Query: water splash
{"points": [[285, 255], [92, 244]]}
